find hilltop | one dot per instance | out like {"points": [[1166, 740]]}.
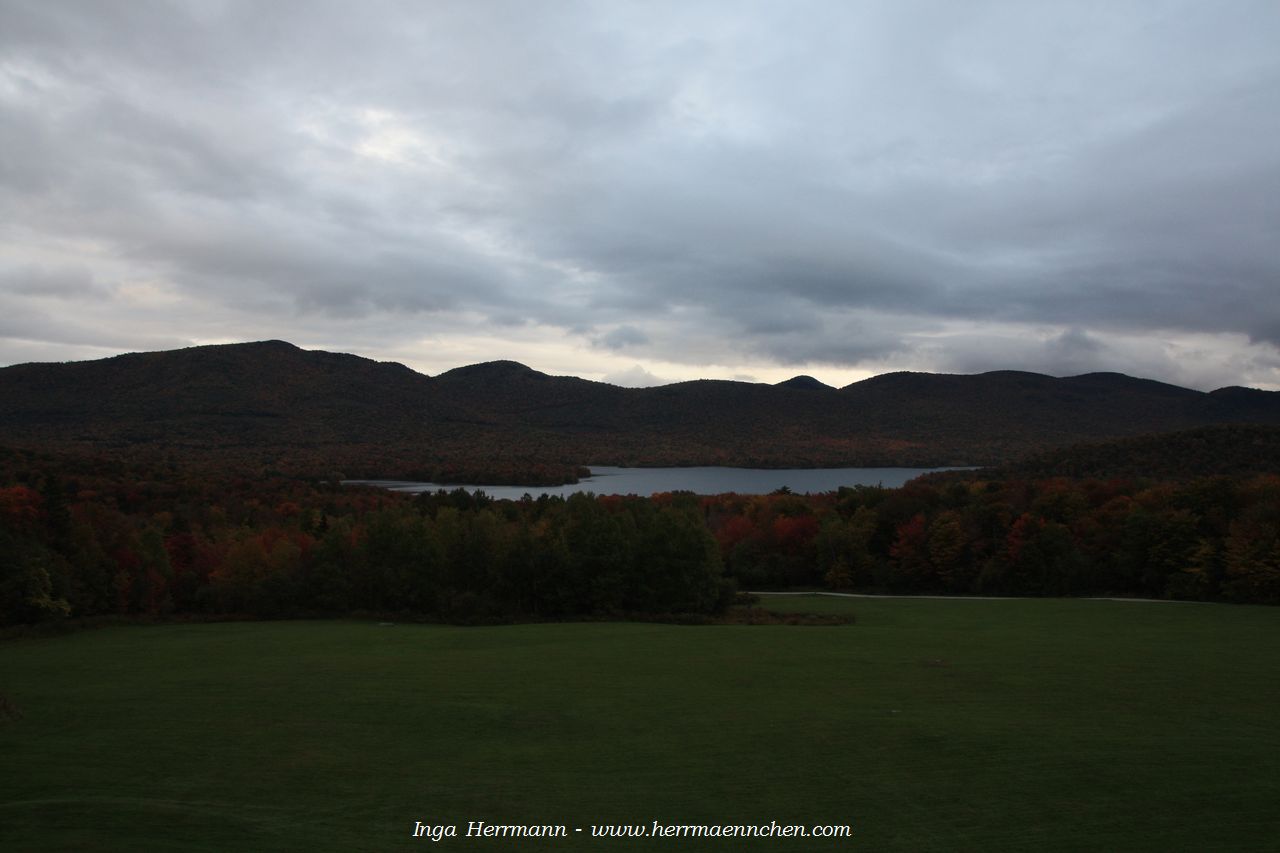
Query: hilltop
{"points": [[273, 403]]}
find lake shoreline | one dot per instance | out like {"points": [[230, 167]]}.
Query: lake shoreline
{"points": [[702, 480]]}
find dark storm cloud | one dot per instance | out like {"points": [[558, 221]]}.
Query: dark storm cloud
{"points": [[820, 182]]}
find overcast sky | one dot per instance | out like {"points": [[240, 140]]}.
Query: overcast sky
{"points": [[644, 192]]}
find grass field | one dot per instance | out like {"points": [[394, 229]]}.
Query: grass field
{"points": [[1044, 725]]}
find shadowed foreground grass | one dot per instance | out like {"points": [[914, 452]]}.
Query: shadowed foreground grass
{"points": [[929, 725]]}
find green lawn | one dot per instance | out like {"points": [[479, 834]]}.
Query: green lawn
{"points": [[928, 725]]}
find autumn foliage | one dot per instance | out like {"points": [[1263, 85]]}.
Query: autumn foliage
{"points": [[84, 536], [1204, 539]]}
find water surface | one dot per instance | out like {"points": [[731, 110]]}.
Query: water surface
{"points": [[607, 480]]}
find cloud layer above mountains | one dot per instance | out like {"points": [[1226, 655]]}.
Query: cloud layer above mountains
{"points": [[649, 191]]}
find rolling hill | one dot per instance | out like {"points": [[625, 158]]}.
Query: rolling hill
{"points": [[273, 403]]}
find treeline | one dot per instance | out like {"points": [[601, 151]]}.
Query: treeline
{"points": [[86, 537], [1204, 539], [284, 549]]}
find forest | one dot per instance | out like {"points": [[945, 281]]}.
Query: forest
{"points": [[84, 537], [273, 406]]}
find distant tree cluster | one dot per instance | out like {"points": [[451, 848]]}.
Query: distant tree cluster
{"points": [[1204, 539], [85, 546], [85, 537]]}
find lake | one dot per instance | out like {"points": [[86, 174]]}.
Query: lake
{"points": [[605, 480]]}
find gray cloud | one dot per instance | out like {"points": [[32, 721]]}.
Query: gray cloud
{"points": [[622, 337], [822, 183], [29, 325], [66, 282]]}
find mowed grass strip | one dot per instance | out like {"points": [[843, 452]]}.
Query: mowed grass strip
{"points": [[927, 725]]}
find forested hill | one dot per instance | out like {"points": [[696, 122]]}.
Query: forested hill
{"points": [[256, 392], [273, 403], [1230, 450]]}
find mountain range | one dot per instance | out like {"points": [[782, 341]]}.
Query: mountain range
{"points": [[271, 402]]}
